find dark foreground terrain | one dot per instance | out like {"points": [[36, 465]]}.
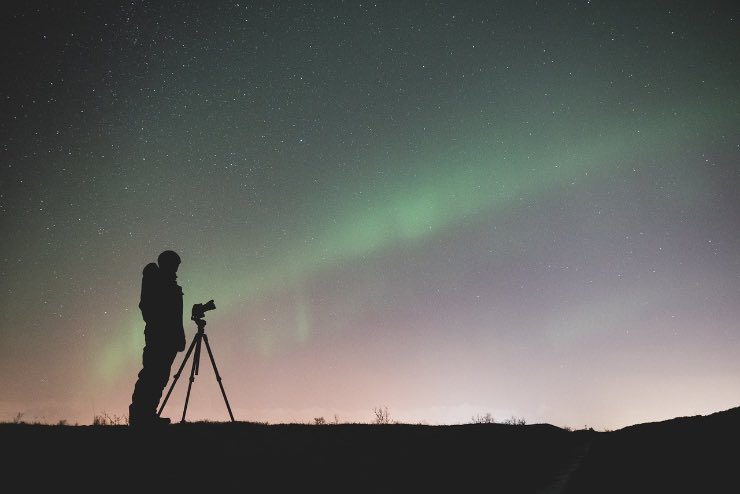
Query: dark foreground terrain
{"points": [[698, 454], [695, 454]]}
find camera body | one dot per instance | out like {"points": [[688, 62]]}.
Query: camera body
{"points": [[199, 310]]}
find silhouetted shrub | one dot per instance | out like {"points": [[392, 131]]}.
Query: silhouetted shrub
{"points": [[381, 415], [483, 419], [106, 419], [515, 421]]}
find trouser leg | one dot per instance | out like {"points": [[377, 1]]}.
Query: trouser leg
{"points": [[152, 379]]}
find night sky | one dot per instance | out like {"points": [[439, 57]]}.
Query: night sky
{"points": [[522, 208]]}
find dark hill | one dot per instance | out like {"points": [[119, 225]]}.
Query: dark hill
{"points": [[687, 454], [698, 454], [244, 457]]}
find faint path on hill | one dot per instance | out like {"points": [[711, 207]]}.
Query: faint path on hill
{"points": [[558, 485]]}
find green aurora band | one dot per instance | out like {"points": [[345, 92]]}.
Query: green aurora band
{"points": [[449, 189]]}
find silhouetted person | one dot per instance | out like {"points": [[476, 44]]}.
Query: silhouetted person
{"points": [[161, 308]]}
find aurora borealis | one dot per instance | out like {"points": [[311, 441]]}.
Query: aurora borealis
{"points": [[522, 208]]}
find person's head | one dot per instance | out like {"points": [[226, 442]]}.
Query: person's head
{"points": [[168, 261]]}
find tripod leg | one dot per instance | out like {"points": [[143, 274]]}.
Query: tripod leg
{"points": [[193, 371], [218, 376], [177, 375]]}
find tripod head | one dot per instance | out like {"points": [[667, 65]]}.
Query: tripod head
{"points": [[199, 310], [198, 313]]}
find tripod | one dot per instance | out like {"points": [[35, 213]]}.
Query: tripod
{"points": [[199, 337]]}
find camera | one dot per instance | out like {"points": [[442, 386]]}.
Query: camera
{"points": [[199, 310]]}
